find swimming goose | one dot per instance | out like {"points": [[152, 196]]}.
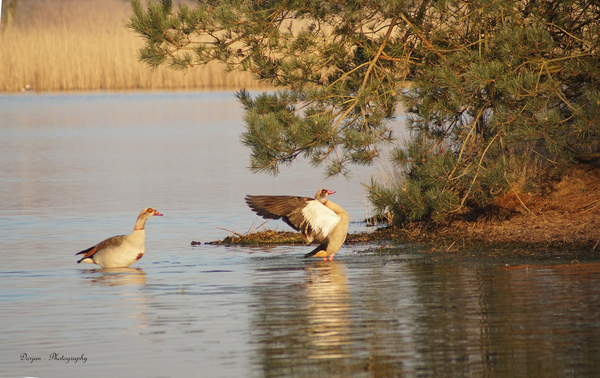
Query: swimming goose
{"points": [[316, 218], [123, 250]]}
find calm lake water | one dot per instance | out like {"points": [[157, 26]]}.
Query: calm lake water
{"points": [[77, 168]]}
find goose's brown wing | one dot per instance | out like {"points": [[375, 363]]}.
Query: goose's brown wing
{"points": [[114, 241], [287, 208], [303, 214]]}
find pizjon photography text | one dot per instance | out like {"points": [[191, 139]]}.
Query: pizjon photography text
{"points": [[57, 357]]}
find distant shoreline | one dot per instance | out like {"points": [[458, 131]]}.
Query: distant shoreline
{"points": [[53, 45]]}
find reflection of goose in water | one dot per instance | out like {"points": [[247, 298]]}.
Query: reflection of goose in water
{"points": [[117, 276], [328, 310], [132, 302]]}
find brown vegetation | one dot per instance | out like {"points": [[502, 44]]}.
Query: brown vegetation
{"points": [[84, 45], [568, 214], [273, 237], [565, 216], [263, 237]]}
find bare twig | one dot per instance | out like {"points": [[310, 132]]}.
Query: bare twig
{"points": [[233, 232], [519, 198], [591, 203], [462, 202]]}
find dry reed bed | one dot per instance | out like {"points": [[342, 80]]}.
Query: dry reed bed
{"points": [[84, 45]]}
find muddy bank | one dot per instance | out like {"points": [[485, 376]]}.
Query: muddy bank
{"points": [[565, 216], [564, 220]]}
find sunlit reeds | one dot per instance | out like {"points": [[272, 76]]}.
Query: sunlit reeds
{"points": [[84, 45]]}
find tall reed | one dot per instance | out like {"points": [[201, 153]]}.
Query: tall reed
{"points": [[55, 45]]}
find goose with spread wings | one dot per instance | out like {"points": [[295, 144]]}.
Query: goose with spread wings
{"points": [[318, 219]]}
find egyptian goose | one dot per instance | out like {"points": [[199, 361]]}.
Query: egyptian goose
{"points": [[316, 218], [123, 250]]}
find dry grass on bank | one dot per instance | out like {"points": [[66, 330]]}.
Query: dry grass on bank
{"points": [[84, 45], [567, 216]]}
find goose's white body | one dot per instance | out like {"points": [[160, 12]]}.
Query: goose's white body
{"points": [[318, 219], [321, 218], [123, 250], [130, 250]]}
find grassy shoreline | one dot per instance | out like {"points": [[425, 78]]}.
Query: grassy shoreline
{"points": [[445, 239], [65, 45]]}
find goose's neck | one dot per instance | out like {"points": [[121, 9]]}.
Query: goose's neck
{"points": [[336, 208], [140, 223]]}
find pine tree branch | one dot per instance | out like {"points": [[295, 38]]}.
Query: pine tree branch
{"points": [[369, 69], [462, 202], [422, 37], [379, 51]]}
